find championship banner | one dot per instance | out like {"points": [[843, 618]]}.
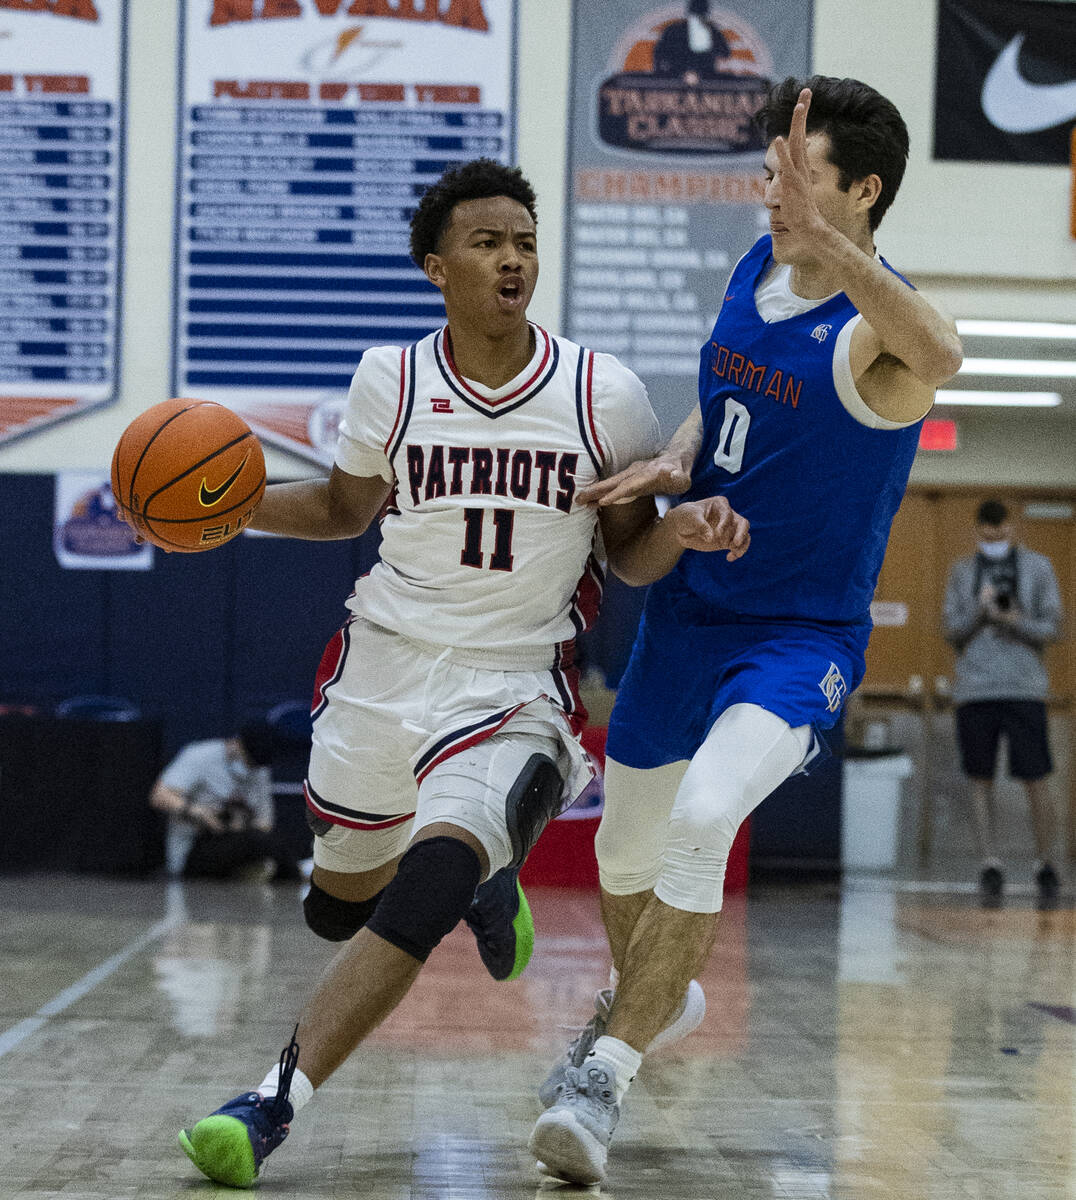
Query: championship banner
{"points": [[309, 131], [1005, 81], [665, 173], [61, 185]]}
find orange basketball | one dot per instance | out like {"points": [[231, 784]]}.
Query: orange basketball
{"points": [[188, 474]]}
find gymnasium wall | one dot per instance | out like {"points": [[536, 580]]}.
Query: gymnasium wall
{"points": [[213, 638], [986, 240]]}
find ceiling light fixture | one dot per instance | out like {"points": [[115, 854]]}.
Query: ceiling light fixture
{"points": [[1022, 329], [1039, 367], [1006, 399]]}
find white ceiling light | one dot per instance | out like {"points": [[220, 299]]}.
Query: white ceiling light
{"points": [[1042, 367], [1007, 399], [1024, 329]]}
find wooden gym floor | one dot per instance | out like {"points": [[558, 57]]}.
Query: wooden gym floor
{"points": [[868, 1044]]}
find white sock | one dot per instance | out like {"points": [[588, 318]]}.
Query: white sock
{"points": [[621, 1057], [301, 1091]]}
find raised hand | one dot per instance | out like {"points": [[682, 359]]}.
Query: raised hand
{"points": [[711, 524], [798, 212]]}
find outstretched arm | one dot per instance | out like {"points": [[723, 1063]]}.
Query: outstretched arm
{"points": [[667, 474], [643, 546], [340, 506]]}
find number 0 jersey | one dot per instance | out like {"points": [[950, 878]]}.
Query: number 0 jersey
{"points": [[483, 547], [795, 449]]}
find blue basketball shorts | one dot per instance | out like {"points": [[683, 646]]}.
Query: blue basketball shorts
{"points": [[690, 662]]}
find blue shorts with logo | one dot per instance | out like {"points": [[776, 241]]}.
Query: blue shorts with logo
{"points": [[692, 661]]}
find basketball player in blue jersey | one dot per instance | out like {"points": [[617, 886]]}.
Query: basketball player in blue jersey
{"points": [[821, 366], [446, 714]]}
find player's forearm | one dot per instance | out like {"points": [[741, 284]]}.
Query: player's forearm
{"points": [[686, 442], [909, 326], [309, 509], [651, 553]]}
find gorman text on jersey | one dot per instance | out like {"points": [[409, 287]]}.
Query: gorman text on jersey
{"points": [[782, 386], [544, 476]]}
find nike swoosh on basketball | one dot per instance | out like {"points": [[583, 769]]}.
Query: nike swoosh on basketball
{"points": [[207, 497], [1014, 105]]}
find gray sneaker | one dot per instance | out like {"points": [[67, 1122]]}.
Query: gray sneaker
{"points": [[571, 1139], [550, 1090], [687, 1018]]}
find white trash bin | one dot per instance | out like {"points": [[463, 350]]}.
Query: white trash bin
{"points": [[870, 810]]}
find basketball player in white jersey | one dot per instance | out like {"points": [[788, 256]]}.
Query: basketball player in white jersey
{"points": [[445, 709]]}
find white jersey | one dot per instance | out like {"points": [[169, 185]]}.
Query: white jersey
{"points": [[483, 546]]}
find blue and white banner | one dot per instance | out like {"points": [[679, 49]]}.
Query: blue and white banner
{"points": [[665, 174], [309, 131], [61, 186]]}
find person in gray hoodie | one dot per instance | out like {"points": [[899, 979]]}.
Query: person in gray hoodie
{"points": [[1002, 607]]}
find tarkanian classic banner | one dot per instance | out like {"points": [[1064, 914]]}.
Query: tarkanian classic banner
{"points": [[1005, 82], [665, 183], [61, 189], [309, 131]]}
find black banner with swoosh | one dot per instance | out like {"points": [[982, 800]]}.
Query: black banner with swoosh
{"points": [[1005, 81]]}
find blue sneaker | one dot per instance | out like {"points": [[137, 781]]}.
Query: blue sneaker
{"points": [[500, 919], [230, 1145]]}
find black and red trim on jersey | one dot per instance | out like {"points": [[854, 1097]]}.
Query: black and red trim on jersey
{"points": [[406, 403], [497, 407], [566, 681], [584, 408], [337, 814]]}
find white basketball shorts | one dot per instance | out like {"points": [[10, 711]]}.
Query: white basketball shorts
{"points": [[407, 735]]}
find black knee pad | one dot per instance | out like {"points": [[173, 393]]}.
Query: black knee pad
{"points": [[533, 801], [333, 919], [433, 887]]}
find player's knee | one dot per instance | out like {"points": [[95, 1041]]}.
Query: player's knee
{"points": [[432, 889], [625, 864], [334, 919], [707, 826], [532, 802]]}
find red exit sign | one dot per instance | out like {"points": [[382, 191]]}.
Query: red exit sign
{"points": [[938, 435]]}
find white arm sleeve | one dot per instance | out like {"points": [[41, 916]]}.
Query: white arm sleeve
{"points": [[627, 427], [849, 395], [373, 402]]}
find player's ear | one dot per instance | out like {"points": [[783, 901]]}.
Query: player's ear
{"points": [[867, 190], [435, 270]]}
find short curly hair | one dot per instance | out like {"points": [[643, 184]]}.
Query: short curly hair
{"points": [[473, 180]]}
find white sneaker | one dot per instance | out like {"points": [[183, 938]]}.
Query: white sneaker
{"points": [[687, 1018], [571, 1139]]}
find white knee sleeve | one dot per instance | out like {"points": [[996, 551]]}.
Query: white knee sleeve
{"points": [[746, 754], [630, 842]]}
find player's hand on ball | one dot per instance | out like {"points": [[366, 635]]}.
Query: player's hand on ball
{"points": [[660, 476], [711, 524]]}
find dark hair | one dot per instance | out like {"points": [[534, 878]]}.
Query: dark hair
{"points": [[256, 738], [992, 512], [867, 135], [474, 180]]}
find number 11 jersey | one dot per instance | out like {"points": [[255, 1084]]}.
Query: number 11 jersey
{"points": [[483, 546]]}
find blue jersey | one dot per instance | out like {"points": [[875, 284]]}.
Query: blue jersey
{"points": [[819, 487]]}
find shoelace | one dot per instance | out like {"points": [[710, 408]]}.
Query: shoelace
{"points": [[289, 1060]]}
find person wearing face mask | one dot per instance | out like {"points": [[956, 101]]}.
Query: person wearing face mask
{"points": [[1002, 607]]}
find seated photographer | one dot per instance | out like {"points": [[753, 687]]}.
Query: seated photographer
{"points": [[219, 800], [1002, 607]]}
